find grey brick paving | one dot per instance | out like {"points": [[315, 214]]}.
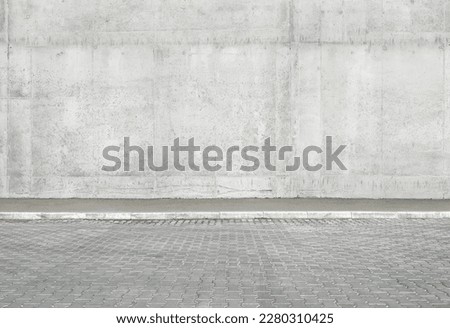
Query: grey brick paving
{"points": [[212, 263]]}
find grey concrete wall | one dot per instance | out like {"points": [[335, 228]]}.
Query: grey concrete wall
{"points": [[78, 75]]}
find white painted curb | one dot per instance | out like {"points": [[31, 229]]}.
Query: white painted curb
{"points": [[236, 215]]}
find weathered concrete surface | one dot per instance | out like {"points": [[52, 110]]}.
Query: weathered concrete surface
{"points": [[77, 76]]}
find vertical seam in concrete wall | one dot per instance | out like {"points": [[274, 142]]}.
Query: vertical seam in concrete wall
{"points": [[6, 186], [31, 119], [154, 125], [444, 121], [444, 89], [381, 168], [321, 193], [343, 22], [292, 45]]}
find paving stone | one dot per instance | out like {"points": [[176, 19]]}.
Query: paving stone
{"points": [[225, 263]]}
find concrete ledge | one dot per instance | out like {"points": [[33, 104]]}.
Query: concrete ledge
{"points": [[222, 215], [168, 209]]}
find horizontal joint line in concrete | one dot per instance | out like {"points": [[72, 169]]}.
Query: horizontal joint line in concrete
{"points": [[225, 42]]}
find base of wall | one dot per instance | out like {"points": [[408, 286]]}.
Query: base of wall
{"points": [[223, 215], [169, 209]]}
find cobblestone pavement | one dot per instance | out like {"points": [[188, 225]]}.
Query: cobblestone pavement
{"points": [[208, 263]]}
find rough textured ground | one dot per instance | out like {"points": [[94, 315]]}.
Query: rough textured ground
{"points": [[208, 263]]}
